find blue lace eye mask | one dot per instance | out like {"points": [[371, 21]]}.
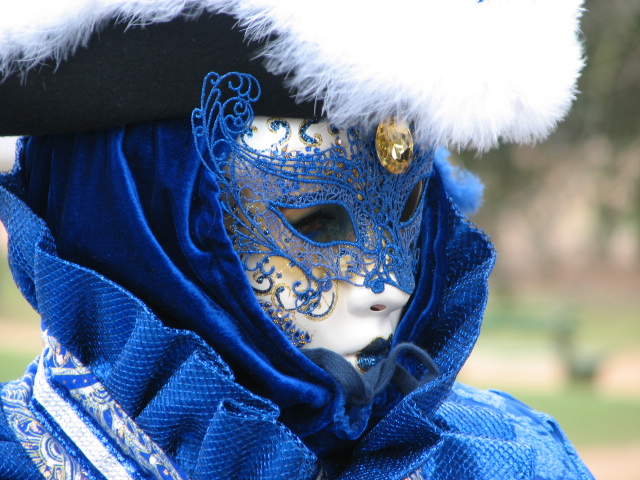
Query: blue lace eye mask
{"points": [[332, 212]]}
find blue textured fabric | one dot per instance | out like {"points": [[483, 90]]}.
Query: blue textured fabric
{"points": [[131, 203], [206, 412]]}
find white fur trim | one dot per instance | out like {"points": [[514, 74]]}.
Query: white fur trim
{"points": [[466, 73]]}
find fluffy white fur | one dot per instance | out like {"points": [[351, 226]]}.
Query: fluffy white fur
{"points": [[466, 73]]}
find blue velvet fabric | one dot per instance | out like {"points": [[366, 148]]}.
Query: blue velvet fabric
{"points": [[183, 393]]}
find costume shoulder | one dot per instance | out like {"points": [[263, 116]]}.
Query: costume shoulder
{"points": [[15, 463], [496, 436]]}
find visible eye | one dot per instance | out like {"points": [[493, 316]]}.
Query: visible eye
{"points": [[412, 202], [322, 223]]}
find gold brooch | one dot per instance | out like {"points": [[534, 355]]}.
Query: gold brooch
{"points": [[394, 145]]}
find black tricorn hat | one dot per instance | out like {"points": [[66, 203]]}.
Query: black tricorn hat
{"points": [[464, 73], [132, 73]]}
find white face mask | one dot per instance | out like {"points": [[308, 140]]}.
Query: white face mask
{"points": [[347, 316]]}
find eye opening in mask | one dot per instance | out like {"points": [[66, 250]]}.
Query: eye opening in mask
{"points": [[323, 224], [413, 200]]}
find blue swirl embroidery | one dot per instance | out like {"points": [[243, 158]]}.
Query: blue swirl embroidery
{"points": [[309, 141]]}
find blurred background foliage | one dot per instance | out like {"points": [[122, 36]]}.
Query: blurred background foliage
{"points": [[562, 328], [572, 204]]}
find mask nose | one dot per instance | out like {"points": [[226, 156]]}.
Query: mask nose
{"points": [[362, 301]]}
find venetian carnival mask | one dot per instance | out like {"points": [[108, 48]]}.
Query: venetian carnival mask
{"points": [[324, 221]]}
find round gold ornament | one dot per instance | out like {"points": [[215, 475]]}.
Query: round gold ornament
{"points": [[394, 145]]}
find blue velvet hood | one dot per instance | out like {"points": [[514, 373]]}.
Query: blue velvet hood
{"points": [[136, 205]]}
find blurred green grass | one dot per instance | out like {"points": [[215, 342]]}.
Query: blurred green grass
{"points": [[19, 327], [13, 364], [587, 418], [13, 306]]}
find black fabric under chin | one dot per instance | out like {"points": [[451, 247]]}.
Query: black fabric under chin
{"points": [[361, 389]]}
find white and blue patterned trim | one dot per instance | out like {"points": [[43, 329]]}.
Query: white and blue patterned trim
{"points": [[78, 432], [67, 372], [91, 422], [48, 455]]}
